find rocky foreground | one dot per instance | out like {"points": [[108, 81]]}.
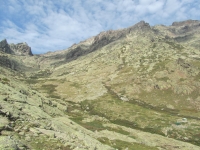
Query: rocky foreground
{"points": [[134, 88]]}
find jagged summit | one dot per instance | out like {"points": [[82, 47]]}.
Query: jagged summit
{"points": [[21, 49], [17, 49], [141, 25]]}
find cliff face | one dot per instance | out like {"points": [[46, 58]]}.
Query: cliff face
{"points": [[21, 49], [17, 49], [4, 47]]}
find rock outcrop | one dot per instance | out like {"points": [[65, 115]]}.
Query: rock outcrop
{"points": [[21, 49], [17, 49], [4, 47]]}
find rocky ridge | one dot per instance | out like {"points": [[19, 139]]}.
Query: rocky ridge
{"points": [[17, 49], [21, 49], [101, 40]]}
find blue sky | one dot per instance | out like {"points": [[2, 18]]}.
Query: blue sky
{"points": [[49, 25]]}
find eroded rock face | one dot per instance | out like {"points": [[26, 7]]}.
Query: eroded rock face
{"points": [[17, 49], [4, 47], [21, 49]]}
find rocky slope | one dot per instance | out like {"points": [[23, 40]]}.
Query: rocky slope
{"points": [[134, 88]]}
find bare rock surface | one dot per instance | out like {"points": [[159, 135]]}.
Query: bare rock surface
{"points": [[17, 49], [4, 47], [21, 49], [6, 143]]}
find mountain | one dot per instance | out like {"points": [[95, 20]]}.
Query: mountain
{"points": [[133, 88]]}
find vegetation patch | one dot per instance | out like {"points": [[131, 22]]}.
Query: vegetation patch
{"points": [[159, 67], [31, 81], [74, 84], [44, 143], [94, 125], [41, 74], [121, 145], [175, 45], [50, 90], [164, 79], [96, 109], [4, 80]]}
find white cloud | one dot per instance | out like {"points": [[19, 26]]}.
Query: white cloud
{"points": [[145, 2], [51, 25], [155, 7], [172, 5]]}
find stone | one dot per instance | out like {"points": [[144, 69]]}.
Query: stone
{"points": [[186, 138], [22, 133], [53, 135], [28, 138], [34, 131], [21, 148], [3, 123], [6, 133], [6, 143]]}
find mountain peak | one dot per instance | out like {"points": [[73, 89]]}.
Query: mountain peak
{"points": [[21, 49], [142, 23], [17, 49]]}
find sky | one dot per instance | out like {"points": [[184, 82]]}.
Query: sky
{"points": [[50, 25]]}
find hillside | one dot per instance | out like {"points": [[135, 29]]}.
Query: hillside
{"points": [[133, 88]]}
